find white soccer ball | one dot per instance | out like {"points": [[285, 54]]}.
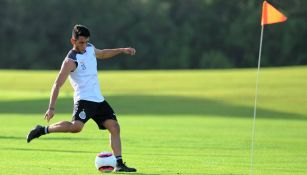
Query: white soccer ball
{"points": [[105, 162]]}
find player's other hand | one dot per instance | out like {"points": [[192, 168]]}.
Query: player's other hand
{"points": [[129, 51], [49, 114]]}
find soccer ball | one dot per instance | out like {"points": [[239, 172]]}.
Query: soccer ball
{"points": [[105, 162]]}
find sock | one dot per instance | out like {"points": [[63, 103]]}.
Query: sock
{"points": [[119, 160], [45, 130]]}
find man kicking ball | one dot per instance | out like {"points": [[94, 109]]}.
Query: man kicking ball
{"points": [[80, 65]]}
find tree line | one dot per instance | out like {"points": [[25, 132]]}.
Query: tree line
{"points": [[167, 34]]}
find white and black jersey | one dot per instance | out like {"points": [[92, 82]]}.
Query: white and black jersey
{"points": [[84, 79]]}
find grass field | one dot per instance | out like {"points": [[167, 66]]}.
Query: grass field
{"points": [[173, 122]]}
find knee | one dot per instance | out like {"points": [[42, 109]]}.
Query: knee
{"points": [[114, 128], [75, 129]]}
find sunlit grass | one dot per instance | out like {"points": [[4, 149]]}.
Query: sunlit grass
{"points": [[173, 122]]}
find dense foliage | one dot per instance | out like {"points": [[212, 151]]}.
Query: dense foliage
{"points": [[168, 34]]}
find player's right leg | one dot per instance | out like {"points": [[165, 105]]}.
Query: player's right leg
{"points": [[62, 126], [65, 126], [81, 114]]}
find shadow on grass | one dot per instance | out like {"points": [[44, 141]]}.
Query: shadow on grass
{"points": [[136, 173], [223, 174], [48, 150], [55, 138], [151, 105]]}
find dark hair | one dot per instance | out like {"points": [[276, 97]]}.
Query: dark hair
{"points": [[80, 30]]}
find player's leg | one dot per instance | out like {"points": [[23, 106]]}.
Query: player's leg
{"points": [[62, 126], [106, 119], [81, 114], [66, 126], [113, 127]]}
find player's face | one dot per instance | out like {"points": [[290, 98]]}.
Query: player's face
{"points": [[80, 43]]}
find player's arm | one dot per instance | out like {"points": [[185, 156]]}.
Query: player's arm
{"points": [[68, 65], [109, 53]]}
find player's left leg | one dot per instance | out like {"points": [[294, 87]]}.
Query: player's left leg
{"points": [[113, 127]]}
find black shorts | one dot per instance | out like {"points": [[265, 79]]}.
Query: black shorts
{"points": [[99, 112]]}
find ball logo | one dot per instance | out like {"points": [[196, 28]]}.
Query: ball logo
{"points": [[82, 115]]}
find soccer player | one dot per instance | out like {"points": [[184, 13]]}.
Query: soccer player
{"points": [[80, 65]]}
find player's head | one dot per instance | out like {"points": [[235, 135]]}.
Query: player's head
{"points": [[80, 37]]}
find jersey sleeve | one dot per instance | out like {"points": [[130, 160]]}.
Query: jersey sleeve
{"points": [[72, 54]]}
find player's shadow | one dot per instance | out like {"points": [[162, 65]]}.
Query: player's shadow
{"points": [[66, 151], [54, 138], [221, 174], [137, 173], [153, 105], [48, 150], [176, 173]]}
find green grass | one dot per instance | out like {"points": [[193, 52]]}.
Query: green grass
{"points": [[173, 122]]}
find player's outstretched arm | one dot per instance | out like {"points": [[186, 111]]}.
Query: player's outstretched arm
{"points": [[109, 53], [68, 65]]}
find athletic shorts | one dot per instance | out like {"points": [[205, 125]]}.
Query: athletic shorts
{"points": [[99, 112]]}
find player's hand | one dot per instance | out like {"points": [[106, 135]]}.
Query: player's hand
{"points": [[49, 114], [129, 51]]}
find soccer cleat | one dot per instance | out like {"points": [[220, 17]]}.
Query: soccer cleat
{"points": [[123, 168], [35, 133]]}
